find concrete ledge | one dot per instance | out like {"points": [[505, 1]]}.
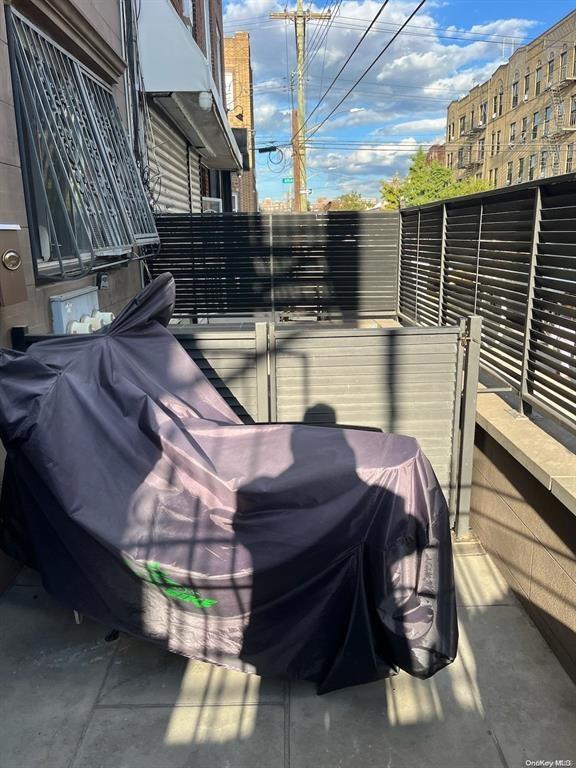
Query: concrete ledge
{"points": [[543, 456]]}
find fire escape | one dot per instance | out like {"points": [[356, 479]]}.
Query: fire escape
{"points": [[560, 125]]}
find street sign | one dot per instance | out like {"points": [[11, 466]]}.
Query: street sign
{"points": [[288, 180], [305, 191]]}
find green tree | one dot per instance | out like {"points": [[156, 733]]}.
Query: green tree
{"points": [[351, 201], [426, 182]]}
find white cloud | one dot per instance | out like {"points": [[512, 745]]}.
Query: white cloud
{"points": [[428, 125], [406, 94]]}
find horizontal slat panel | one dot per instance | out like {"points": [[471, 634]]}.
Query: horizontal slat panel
{"points": [[341, 263]]}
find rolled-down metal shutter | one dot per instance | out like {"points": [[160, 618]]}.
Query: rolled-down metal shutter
{"points": [[195, 192], [171, 154]]}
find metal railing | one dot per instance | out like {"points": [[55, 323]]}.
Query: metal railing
{"points": [[510, 258]]}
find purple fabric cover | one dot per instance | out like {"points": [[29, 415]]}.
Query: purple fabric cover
{"points": [[316, 553]]}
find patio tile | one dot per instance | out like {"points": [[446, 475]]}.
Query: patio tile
{"points": [[402, 722], [248, 736], [144, 674], [480, 583], [505, 700], [50, 671], [527, 697]]}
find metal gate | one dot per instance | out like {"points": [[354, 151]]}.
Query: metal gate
{"points": [[420, 382]]}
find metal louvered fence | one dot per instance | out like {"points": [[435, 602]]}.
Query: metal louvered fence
{"points": [[510, 258], [332, 265]]}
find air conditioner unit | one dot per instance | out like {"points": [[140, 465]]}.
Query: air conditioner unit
{"points": [[511, 144], [525, 97], [494, 115]]}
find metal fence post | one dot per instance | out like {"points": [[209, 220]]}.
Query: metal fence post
{"points": [[417, 266], [442, 260], [399, 264], [468, 423], [478, 256], [272, 390], [262, 373], [272, 284], [530, 298]]}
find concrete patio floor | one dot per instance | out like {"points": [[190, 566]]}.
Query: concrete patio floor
{"points": [[68, 699]]}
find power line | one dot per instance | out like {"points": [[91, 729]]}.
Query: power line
{"points": [[371, 66], [477, 35], [313, 51], [343, 67]]}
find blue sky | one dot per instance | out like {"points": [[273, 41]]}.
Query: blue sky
{"points": [[448, 47]]}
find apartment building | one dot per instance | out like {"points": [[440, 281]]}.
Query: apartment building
{"points": [[240, 106], [74, 214], [521, 124], [192, 154]]}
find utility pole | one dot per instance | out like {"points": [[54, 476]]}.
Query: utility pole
{"points": [[300, 17], [297, 165]]}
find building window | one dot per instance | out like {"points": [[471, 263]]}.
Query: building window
{"points": [[532, 167], [512, 133], [524, 132], [495, 177], [538, 84], [515, 89], [521, 170], [551, 71], [87, 201], [500, 100], [535, 124], [509, 173], [218, 60], [472, 114], [547, 118], [483, 113], [491, 177], [569, 157], [481, 150], [573, 111], [461, 157], [229, 80], [526, 86], [498, 135], [543, 162], [207, 30], [450, 161], [493, 144], [563, 66], [462, 125]]}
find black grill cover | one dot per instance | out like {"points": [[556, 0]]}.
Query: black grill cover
{"points": [[316, 553]]}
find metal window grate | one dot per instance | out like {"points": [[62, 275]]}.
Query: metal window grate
{"points": [[84, 187]]}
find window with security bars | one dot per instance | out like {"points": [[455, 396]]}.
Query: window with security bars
{"points": [[84, 191]]}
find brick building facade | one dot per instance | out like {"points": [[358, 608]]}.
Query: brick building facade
{"points": [[521, 124], [240, 106]]}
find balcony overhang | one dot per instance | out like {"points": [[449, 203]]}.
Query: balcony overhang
{"points": [[177, 76]]}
